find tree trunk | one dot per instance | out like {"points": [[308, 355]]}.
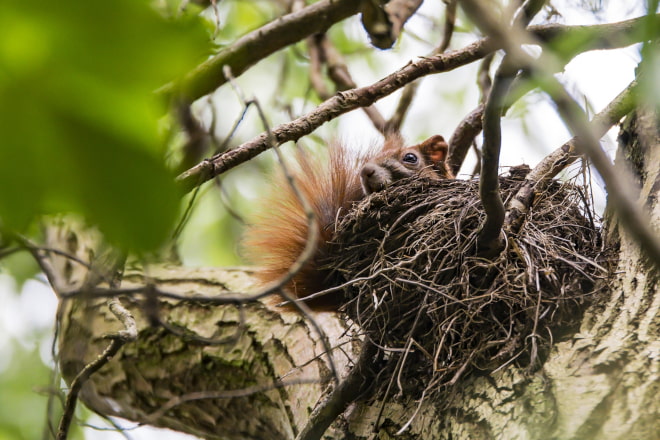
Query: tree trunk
{"points": [[219, 371]]}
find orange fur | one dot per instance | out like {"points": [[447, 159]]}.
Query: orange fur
{"points": [[278, 235]]}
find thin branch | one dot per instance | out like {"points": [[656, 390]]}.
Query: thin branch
{"points": [[323, 52], [552, 164], [605, 36], [465, 133], [116, 342], [312, 234], [526, 12], [460, 141], [260, 43], [620, 188], [409, 91], [619, 181]]}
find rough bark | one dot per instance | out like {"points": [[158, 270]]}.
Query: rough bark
{"points": [[601, 382]]}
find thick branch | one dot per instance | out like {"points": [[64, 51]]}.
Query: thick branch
{"points": [[260, 43], [490, 241]]}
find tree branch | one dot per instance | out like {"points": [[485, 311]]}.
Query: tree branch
{"points": [[611, 36], [356, 383], [322, 51], [619, 182], [339, 104], [467, 130], [490, 241], [409, 91], [117, 341], [260, 43], [552, 164]]}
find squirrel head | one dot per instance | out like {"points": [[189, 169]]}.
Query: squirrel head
{"points": [[425, 160]]}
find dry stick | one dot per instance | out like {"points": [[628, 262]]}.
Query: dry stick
{"points": [[603, 36], [620, 188], [116, 342], [322, 51], [395, 122], [260, 43], [537, 180], [312, 234]]}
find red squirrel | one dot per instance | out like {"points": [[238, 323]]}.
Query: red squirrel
{"points": [[278, 236]]}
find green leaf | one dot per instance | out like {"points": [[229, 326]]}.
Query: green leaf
{"points": [[79, 116]]}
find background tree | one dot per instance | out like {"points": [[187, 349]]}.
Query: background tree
{"points": [[185, 348]]}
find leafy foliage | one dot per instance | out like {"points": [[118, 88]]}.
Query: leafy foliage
{"points": [[79, 116]]}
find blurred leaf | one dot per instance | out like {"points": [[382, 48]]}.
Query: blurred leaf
{"points": [[23, 406], [78, 113], [21, 265]]}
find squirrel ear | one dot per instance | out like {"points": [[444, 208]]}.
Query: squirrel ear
{"points": [[434, 148]]}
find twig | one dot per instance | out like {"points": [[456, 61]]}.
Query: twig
{"points": [[260, 43], [621, 192], [552, 164], [116, 342], [605, 36]]}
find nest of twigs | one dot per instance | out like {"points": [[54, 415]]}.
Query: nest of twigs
{"points": [[416, 286]]}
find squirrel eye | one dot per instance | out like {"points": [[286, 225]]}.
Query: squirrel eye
{"points": [[410, 158]]}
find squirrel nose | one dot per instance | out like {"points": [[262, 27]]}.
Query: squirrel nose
{"points": [[368, 170]]}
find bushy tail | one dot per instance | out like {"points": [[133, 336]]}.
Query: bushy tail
{"points": [[278, 235]]}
